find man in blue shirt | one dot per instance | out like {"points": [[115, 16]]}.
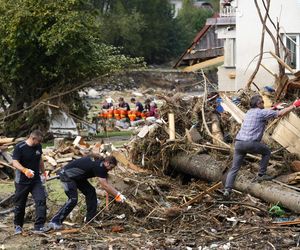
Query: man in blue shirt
{"points": [[75, 176], [248, 139], [138, 105], [27, 159]]}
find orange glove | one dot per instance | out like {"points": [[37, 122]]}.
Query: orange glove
{"points": [[296, 103], [120, 197], [28, 172]]}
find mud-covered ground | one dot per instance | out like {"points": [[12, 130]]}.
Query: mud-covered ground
{"points": [[155, 218]]}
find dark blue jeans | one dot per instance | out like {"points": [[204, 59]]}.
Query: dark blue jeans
{"points": [[70, 188], [39, 195], [241, 149]]}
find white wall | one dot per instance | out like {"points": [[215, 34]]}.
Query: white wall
{"points": [[248, 35], [178, 5]]}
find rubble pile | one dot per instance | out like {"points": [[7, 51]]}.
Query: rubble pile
{"points": [[163, 213], [173, 207]]}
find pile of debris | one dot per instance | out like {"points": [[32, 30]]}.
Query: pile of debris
{"points": [[203, 145]]}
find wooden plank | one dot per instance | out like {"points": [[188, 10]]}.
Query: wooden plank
{"points": [[6, 140], [124, 160], [234, 110], [61, 160], [204, 64], [282, 62], [51, 160], [5, 164], [287, 133], [7, 157], [77, 140]]}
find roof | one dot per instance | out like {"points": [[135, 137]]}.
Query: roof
{"points": [[197, 38]]}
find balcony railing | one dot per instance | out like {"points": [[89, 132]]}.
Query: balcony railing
{"points": [[227, 11]]}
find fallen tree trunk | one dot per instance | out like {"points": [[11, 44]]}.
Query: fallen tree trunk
{"points": [[203, 166], [206, 167]]}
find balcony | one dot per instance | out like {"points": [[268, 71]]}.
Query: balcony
{"points": [[227, 11]]}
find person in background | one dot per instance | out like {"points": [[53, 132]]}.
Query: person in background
{"points": [[107, 105], [27, 159], [138, 105], [123, 105], [153, 110], [248, 140], [74, 176], [147, 105]]}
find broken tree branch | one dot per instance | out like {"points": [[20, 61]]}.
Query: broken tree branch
{"points": [[261, 44]]}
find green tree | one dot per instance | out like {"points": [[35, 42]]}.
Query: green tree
{"points": [[48, 46], [122, 27], [144, 28], [191, 20]]}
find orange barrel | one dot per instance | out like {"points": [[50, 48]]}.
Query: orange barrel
{"points": [[132, 116], [138, 114], [104, 114], [117, 114], [110, 114], [123, 113]]}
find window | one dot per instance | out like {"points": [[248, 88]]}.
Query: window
{"points": [[292, 42], [229, 53]]}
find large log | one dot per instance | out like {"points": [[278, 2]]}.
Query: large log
{"points": [[203, 166], [206, 167]]}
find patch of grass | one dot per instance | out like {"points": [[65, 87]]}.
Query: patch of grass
{"points": [[55, 191], [7, 188], [47, 144], [113, 133]]}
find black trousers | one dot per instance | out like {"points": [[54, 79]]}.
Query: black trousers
{"points": [[70, 187], [38, 193]]}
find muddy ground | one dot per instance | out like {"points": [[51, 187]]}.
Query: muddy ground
{"points": [[155, 217]]}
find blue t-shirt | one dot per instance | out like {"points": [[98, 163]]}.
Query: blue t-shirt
{"points": [[29, 157], [85, 168], [139, 106]]}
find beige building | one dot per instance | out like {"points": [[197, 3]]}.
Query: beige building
{"points": [[240, 27]]}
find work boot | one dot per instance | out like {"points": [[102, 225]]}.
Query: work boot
{"points": [[226, 194], [261, 178], [18, 229]]}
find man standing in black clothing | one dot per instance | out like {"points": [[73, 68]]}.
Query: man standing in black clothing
{"points": [[75, 176], [27, 159]]}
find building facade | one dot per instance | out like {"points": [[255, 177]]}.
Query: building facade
{"points": [[240, 27]]}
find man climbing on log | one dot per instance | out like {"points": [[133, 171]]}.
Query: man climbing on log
{"points": [[27, 159], [248, 140], [75, 176]]}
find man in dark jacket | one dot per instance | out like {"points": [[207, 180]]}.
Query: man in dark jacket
{"points": [[75, 176], [27, 159]]}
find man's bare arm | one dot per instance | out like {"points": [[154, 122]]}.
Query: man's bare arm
{"points": [[18, 165], [285, 110], [108, 187]]}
